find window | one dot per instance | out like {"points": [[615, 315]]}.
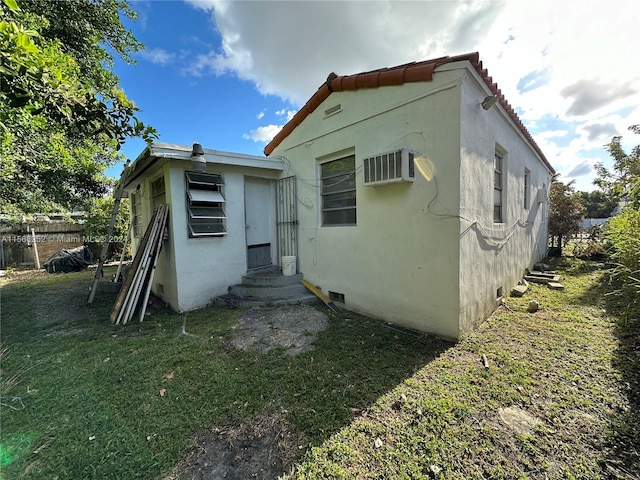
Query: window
{"points": [[498, 165], [338, 191], [205, 205], [527, 181], [158, 193], [136, 211]]}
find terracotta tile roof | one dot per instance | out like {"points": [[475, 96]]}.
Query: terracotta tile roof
{"points": [[409, 72]]}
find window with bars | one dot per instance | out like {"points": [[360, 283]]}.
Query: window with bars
{"points": [[498, 165], [338, 191], [205, 205]]}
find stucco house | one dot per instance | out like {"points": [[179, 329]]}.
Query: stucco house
{"points": [[413, 194], [222, 218]]}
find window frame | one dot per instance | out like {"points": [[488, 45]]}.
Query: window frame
{"points": [[499, 170], [136, 214], [205, 205], [526, 194], [327, 180], [158, 192]]}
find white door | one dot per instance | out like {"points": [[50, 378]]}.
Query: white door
{"points": [[258, 211]]}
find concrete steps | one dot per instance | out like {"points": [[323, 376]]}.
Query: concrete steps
{"points": [[267, 287]]}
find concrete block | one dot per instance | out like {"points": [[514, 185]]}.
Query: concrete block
{"points": [[542, 278], [519, 290]]}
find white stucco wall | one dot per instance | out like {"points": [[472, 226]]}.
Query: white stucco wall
{"points": [[165, 271], [400, 263], [192, 271], [494, 256], [207, 266]]}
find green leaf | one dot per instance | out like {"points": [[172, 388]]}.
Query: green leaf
{"points": [[12, 4]]}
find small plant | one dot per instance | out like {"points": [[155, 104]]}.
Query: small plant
{"points": [[10, 271], [592, 249]]}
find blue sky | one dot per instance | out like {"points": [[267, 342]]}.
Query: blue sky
{"points": [[230, 74]]}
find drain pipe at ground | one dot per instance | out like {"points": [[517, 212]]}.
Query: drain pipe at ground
{"points": [[183, 333]]}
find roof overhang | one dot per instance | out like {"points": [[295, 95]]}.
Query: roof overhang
{"points": [[156, 152]]}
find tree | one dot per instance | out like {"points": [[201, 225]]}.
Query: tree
{"points": [[623, 181], [76, 23], [597, 204], [62, 115], [565, 212], [97, 218]]}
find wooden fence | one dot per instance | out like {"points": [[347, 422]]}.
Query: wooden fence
{"points": [[17, 242]]}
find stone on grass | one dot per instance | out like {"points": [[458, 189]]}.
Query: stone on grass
{"points": [[533, 306]]}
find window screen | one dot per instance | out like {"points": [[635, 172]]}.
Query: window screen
{"points": [[338, 191]]}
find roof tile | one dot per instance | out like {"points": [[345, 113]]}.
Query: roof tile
{"points": [[368, 80], [391, 77], [419, 73]]}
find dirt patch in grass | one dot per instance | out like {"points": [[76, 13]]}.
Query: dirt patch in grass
{"points": [[264, 448], [292, 328], [518, 420]]}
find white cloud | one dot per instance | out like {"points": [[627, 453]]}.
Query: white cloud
{"points": [[263, 134], [553, 134], [573, 62], [158, 56], [260, 115], [286, 113], [304, 41]]}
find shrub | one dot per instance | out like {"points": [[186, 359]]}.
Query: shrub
{"points": [[622, 235]]}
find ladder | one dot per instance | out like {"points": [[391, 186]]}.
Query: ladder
{"points": [[112, 222]]}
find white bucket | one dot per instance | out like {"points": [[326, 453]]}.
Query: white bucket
{"points": [[288, 265]]}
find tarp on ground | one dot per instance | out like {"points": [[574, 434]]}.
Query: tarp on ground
{"points": [[69, 260]]}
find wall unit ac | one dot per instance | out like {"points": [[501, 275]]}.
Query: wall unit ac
{"points": [[542, 196], [389, 167]]}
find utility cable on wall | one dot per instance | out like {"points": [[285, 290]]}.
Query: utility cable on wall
{"points": [[481, 229]]}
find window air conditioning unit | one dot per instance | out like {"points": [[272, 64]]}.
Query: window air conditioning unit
{"points": [[390, 167], [542, 196]]}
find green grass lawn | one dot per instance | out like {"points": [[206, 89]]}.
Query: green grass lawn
{"points": [[104, 401], [126, 402]]}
